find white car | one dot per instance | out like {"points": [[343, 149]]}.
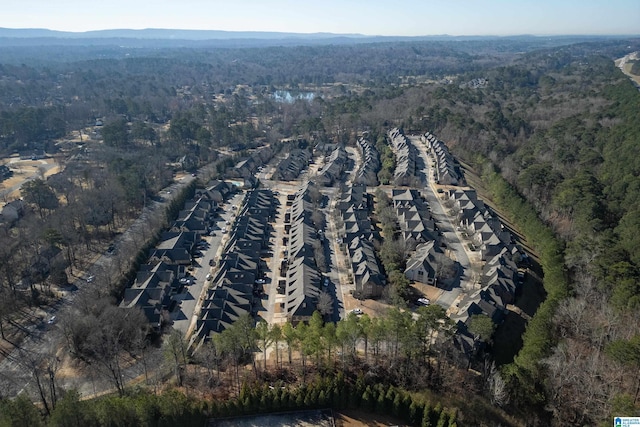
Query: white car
{"points": [[357, 311], [209, 276], [90, 278], [52, 320], [424, 301]]}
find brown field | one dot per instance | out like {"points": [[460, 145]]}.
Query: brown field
{"points": [[345, 418], [628, 64], [359, 418], [22, 171]]}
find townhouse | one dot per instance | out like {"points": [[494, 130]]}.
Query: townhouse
{"points": [[406, 172]]}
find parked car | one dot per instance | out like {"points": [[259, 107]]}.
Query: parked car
{"points": [[209, 276], [52, 320], [357, 311], [90, 278], [424, 301], [260, 282]]}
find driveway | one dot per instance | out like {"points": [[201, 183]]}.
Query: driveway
{"points": [[455, 242]]}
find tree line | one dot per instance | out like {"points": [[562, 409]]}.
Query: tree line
{"points": [[172, 407]]}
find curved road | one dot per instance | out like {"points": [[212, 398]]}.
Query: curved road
{"points": [[45, 339]]}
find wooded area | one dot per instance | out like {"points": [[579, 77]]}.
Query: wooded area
{"points": [[553, 132]]}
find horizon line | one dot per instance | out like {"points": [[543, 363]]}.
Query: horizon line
{"points": [[80, 32]]}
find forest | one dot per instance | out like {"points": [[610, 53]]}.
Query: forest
{"points": [[553, 133]]}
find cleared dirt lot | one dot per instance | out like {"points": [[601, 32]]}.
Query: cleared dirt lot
{"points": [[328, 418], [24, 170]]}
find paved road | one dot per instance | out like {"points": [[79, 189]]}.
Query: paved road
{"points": [[455, 243], [44, 338], [338, 287], [273, 313], [184, 318], [339, 263], [44, 164]]}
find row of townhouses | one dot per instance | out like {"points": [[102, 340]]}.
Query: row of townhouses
{"points": [[236, 285], [355, 207], [406, 172], [334, 166], [477, 220], [447, 170], [414, 217], [289, 168], [367, 174], [165, 272], [303, 278], [246, 168], [500, 277], [419, 231]]}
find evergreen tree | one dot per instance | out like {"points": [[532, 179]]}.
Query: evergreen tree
{"points": [[381, 404], [415, 412], [435, 414], [426, 416], [19, 412], [322, 399], [443, 420], [71, 412], [397, 405], [367, 401]]}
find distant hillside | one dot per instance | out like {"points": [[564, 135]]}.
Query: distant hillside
{"points": [[172, 38], [155, 37], [161, 34]]}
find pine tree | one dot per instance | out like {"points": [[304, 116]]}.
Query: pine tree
{"points": [[381, 404], [389, 398], [322, 399], [367, 399], [415, 412], [435, 414], [426, 416], [397, 405], [277, 403], [443, 421], [264, 405]]}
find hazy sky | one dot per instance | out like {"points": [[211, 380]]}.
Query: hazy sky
{"points": [[371, 17]]}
